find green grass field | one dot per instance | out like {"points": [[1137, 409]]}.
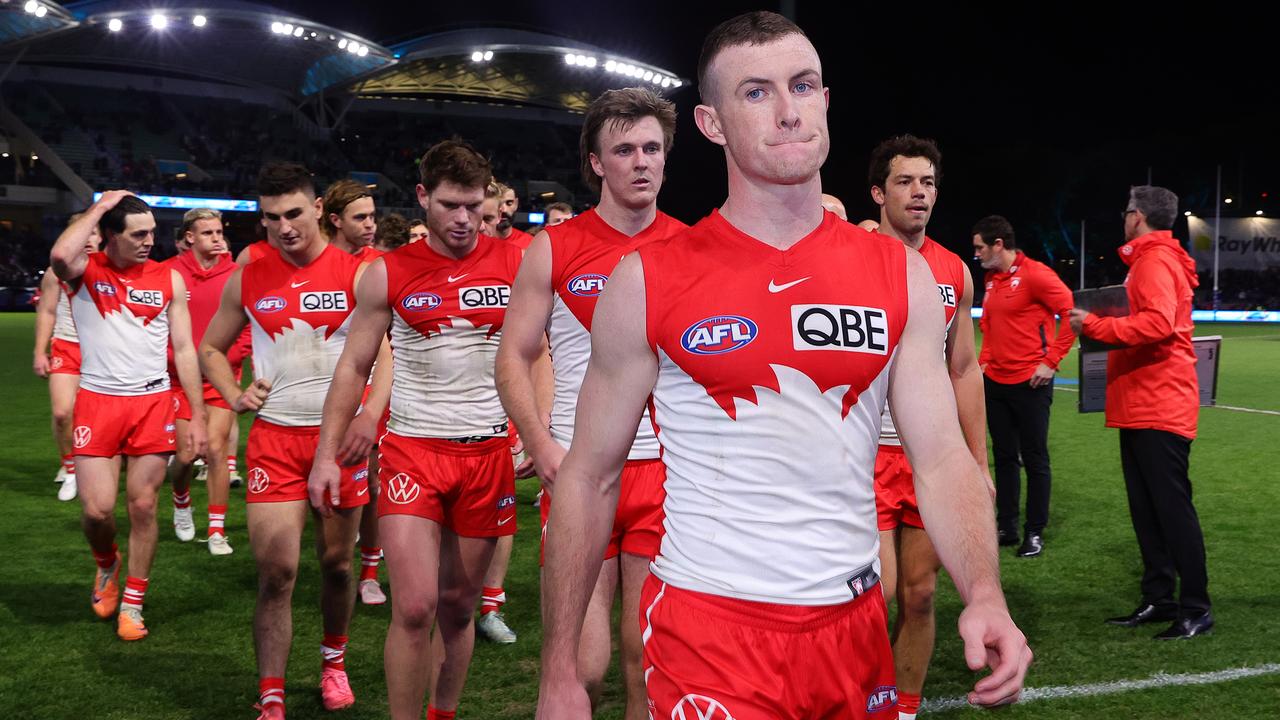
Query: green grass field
{"points": [[59, 662]]}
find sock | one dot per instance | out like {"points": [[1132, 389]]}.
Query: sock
{"points": [[231, 463], [908, 705], [492, 600], [217, 520], [270, 690], [434, 713], [134, 590], [369, 557], [334, 650], [69, 464], [181, 502], [106, 560]]}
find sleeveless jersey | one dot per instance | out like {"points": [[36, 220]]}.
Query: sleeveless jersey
{"points": [[64, 326], [948, 272], [123, 317], [300, 317], [446, 321], [584, 250], [773, 369]]}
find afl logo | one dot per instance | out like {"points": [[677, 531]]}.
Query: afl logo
{"points": [[82, 435], [884, 697], [104, 288], [402, 490], [270, 304], [588, 285], [421, 301], [700, 707], [55, 363], [258, 480], [719, 334]]}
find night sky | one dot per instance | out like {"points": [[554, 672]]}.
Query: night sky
{"points": [[1045, 113]]}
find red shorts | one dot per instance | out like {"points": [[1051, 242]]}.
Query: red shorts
{"points": [[279, 460], [895, 490], [707, 656], [181, 406], [469, 488], [637, 526], [110, 425], [64, 357]]}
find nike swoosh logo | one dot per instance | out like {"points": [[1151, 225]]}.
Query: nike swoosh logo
{"points": [[361, 492], [504, 522], [779, 288], [298, 285], [456, 279]]}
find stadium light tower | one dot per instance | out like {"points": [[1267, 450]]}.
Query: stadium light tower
{"points": [[199, 21], [115, 25], [159, 22]]}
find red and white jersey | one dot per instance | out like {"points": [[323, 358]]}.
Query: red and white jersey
{"points": [[123, 320], [773, 370], [584, 250], [64, 326], [446, 321], [300, 317], [367, 253], [948, 271]]}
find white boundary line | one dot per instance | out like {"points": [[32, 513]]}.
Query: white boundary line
{"points": [[1220, 407], [1159, 680]]}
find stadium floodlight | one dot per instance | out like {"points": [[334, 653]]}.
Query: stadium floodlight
{"points": [[666, 82], [277, 27], [1187, 213], [591, 62], [31, 6], [488, 55], [297, 32], [286, 29], [159, 22], [477, 56], [571, 59], [41, 10], [4, 155], [610, 65], [677, 82], [1258, 213], [313, 33], [648, 74], [199, 21], [115, 25], [342, 44], [37, 157], [364, 50], [1227, 201]]}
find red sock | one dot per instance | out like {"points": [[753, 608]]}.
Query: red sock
{"points": [[369, 557], [135, 589], [334, 650], [434, 713], [270, 690], [908, 704], [231, 463], [183, 501], [217, 519], [106, 560], [492, 600], [69, 464]]}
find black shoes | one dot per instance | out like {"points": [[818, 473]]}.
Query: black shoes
{"points": [[1148, 613], [1008, 538], [1032, 545], [1184, 628]]}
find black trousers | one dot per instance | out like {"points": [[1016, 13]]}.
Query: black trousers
{"points": [[1018, 418], [1164, 518]]}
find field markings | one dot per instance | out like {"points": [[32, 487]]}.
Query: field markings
{"points": [[1220, 407], [1159, 680]]}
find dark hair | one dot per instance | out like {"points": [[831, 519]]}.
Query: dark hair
{"points": [[113, 221], [753, 28], [1160, 205], [907, 146], [282, 178], [621, 109], [393, 232], [563, 207], [336, 199], [456, 162], [995, 227]]}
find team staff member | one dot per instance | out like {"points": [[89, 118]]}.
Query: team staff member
{"points": [[1018, 363], [1154, 399]]}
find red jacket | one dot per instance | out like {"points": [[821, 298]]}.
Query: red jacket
{"points": [[1151, 380], [1017, 321]]}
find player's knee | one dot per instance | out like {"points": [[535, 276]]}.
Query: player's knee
{"points": [[62, 415], [917, 597], [276, 581], [93, 515], [335, 567], [185, 455], [142, 507], [217, 447], [455, 608], [416, 614]]}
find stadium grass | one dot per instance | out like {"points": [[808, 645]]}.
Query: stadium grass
{"points": [[59, 662]]}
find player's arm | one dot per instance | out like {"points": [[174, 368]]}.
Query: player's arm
{"points": [[951, 492], [966, 381], [184, 359], [1052, 293], [46, 316], [223, 331], [1154, 305], [70, 254], [619, 378], [523, 368], [365, 338], [244, 257]]}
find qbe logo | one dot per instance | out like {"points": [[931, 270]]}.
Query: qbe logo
{"points": [[484, 296], [104, 288], [719, 334], [849, 328], [588, 284], [270, 304], [150, 298], [884, 697], [259, 480], [82, 435], [329, 301], [421, 301], [700, 707], [948, 293], [402, 490]]}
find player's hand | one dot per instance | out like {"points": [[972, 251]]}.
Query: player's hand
{"points": [[1042, 376], [198, 435], [110, 199], [991, 486], [566, 700], [991, 639], [40, 366], [524, 468], [546, 462], [358, 442], [252, 398], [1076, 319], [323, 486]]}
